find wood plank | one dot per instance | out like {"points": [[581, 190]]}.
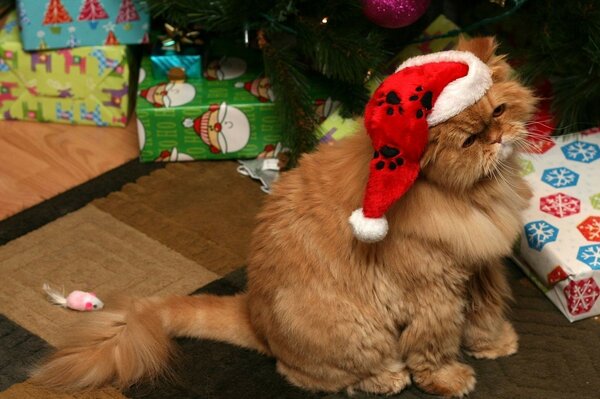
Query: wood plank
{"points": [[41, 160]]}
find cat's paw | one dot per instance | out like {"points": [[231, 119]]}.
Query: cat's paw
{"points": [[451, 380], [386, 383], [481, 345], [388, 157]]}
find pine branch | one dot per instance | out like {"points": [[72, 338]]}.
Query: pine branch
{"points": [[560, 41], [294, 104], [353, 97], [215, 16], [339, 51]]}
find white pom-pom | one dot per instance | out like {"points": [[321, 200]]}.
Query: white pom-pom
{"points": [[239, 85], [368, 229], [188, 122]]}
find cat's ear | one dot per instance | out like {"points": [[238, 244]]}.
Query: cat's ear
{"points": [[484, 48]]}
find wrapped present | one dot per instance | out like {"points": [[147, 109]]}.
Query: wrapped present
{"points": [[178, 48], [187, 59], [560, 245], [52, 24], [228, 115], [87, 85]]}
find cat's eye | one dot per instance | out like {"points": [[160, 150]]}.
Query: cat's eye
{"points": [[499, 110], [469, 141]]}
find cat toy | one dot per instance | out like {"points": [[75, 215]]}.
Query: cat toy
{"points": [[76, 300]]}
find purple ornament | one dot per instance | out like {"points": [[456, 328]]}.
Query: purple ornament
{"points": [[394, 13]]}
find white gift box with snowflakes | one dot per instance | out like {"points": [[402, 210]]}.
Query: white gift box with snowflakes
{"points": [[561, 239]]}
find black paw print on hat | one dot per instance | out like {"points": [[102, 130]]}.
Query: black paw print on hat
{"points": [[391, 100], [388, 156], [426, 100]]}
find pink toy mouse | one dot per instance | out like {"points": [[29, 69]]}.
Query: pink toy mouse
{"points": [[76, 300]]}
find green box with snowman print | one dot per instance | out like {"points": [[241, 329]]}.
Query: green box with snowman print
{"points": [[227, 115]]}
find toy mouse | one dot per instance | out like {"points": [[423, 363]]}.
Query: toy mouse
{"points": [[76, 300]]}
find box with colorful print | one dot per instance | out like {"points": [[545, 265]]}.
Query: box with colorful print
{"points": [[50, 24], [228, 115], [561, 236], [87, 85]]}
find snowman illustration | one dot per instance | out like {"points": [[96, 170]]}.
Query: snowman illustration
{"points": [[223, 128], [324, 108], [225, 68], [259, 88], [173, 93]]}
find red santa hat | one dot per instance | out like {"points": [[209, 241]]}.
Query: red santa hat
{"points": [[423, 92]]}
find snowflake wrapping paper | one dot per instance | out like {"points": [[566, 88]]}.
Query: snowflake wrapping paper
{"points": [[560, 243], [86, 85], [53, 24]]}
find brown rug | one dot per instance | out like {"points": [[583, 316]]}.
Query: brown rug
{"points": [[188, 225]]}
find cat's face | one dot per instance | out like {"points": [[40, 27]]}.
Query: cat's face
{"points": [[477, 143]]}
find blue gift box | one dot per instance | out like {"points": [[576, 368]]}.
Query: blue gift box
{"points": [[51, 24], [188, 59]]}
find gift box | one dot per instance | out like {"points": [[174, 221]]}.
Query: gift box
{"points": [[560, 245], [229, 114], [426, 43], [188, 59], [87, 85], [51, 24]]}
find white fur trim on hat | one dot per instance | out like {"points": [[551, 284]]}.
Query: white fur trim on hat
{"points": [[460, 93], [368, 229]]}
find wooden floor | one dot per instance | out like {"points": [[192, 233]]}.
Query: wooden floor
{"points": [[41, 160]]}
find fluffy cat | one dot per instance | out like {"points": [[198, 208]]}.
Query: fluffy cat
{"points": [[339, 314]]}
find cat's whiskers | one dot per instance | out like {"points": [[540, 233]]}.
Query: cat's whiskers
{"points": [[504, 168]]}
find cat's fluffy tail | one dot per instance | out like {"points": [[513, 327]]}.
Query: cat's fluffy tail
{"points": [[129, 342]]}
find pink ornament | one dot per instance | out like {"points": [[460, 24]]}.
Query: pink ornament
{"points": [[394, 13]]}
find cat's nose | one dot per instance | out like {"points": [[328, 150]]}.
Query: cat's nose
{"points": [[495, 138]]}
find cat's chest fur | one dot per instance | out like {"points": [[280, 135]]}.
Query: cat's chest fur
{"points": [[474, 227]]}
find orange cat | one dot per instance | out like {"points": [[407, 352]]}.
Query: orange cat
{"points": [[340, 314]]}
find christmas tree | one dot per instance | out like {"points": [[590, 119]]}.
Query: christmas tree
{"points": [[127, 12], [111, 39], [56, 13], [92, 11], [336, 41], [559, 42], [331, 40]]}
